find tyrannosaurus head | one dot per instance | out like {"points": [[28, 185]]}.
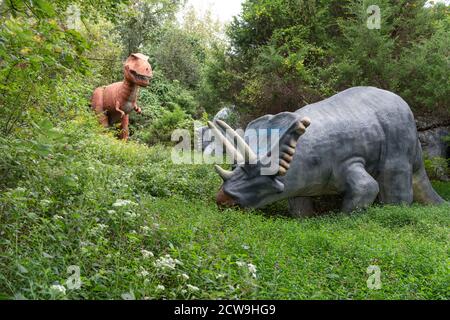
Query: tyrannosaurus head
{"points": [[138, 70]]}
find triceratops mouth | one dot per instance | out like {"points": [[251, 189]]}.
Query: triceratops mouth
{"points": [[224, 199], [140, 77]]}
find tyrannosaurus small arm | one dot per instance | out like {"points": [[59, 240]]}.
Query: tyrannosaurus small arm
{"points": [[115, 102]]}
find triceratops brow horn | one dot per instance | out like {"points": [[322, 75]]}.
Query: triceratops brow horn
{"points": [[243, 147], [231, 150]]}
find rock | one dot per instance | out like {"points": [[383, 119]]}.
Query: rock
{"points": [[229, 115], [432, 132], [202, 139], [433, 143], [430, 122]]}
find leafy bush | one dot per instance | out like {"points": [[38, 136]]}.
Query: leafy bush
{"points": [[30, 71], [166, 106], [286, 54], [138, 226], [408, 55], [161, 130], [179, 56], [438, 168]]}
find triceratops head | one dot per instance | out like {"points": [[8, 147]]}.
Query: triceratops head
{"points": [[138, 70], [246, 185]]}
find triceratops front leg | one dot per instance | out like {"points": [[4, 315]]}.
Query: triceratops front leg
{"points": [[361, 189]]}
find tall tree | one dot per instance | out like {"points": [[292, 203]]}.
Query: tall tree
{"points": [[141, 21], [288, 53]]}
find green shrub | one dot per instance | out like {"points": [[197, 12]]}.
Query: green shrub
{"points": [[286, 54], [438, 168], [166, 106], [161, 130], [139, 226]]}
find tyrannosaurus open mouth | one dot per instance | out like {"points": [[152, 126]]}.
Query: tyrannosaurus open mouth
{"points": [[140, 77]]}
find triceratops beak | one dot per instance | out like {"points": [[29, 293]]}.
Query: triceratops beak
{"points": [[224, 174]]}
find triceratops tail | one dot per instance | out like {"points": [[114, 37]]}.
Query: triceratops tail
{"points": [[423, 190]]}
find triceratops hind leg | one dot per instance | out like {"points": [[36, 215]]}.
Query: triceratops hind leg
{"points": [[361, 189], [396, 184]]}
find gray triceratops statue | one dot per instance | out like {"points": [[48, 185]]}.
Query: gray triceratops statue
{"points": [[361, 144]]}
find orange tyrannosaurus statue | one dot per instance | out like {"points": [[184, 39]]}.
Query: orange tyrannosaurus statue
{"points": [[115, 102]]}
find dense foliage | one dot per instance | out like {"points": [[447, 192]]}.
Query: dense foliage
{"points": [[288, 53], [137, 226]]}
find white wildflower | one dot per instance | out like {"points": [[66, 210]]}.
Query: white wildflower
{"points": [[240, 264], [144, 273], [46, 255], [252, 270], [102, 226], [58, 217], [131, 215], [111, 211], [123, 203], [128, 296], [220, 276], [167, 262], [245, 247], [45, 202], [185, 276], [145, 229], [147, 254], [58, 289], [193, 288], [86, 244], [160, 288]]}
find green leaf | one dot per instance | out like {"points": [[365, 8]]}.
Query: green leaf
{"points": [[45, 125], [45, 7]]}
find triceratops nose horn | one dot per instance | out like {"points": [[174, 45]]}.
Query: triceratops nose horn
{"points": [[225, 174]]}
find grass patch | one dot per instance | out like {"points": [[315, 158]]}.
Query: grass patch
{"points": [[138, 226]]}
